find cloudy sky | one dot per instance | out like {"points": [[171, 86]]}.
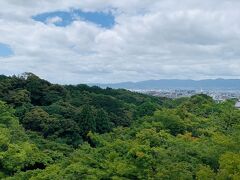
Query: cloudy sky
{"points": [[82, 41]]}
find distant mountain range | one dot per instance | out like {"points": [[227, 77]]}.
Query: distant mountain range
{"points": [[207, 84]]}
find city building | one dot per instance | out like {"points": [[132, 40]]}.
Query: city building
{"points": [[237, 105]]}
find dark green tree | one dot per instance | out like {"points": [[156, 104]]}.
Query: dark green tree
{"points": [[86, 120], [103, 123]]}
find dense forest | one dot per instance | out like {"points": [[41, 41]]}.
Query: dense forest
{"points": [[51, 131]]}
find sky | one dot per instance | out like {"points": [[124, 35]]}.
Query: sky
{"points": [[108, 41]]}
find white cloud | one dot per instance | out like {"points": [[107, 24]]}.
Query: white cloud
{"points": [[151, 40], [54, 20]]}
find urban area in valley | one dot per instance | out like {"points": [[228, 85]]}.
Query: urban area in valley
{"points": [[217, 95]]}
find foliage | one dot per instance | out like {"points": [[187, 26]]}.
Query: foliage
{"points": [[49, 131]]}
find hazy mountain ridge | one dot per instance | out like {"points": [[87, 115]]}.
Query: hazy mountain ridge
{"points": [[207, 84]]}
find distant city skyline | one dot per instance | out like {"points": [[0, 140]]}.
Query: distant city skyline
{"points": [[173, 94]]}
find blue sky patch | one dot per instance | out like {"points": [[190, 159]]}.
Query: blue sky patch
{"points": [[5, 50], [63, 18]]}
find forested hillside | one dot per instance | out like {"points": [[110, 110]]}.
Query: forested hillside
{"points": [[50, 131]]}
